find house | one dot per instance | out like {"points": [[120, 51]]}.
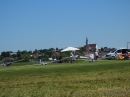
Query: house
{"points": [[8, 59], [91, 47], [106, 49], [35, 55]]}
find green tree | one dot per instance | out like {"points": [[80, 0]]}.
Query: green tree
{"points": [[24, 52], [57, 49], [14, 56], [5, 54], [1, 57], [64, 54], [35, 52], [30, 52], [102, 49], [45, 57], [19, 53]]}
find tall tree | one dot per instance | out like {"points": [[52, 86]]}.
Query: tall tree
{"points": [[102, 49], [19, 53]]}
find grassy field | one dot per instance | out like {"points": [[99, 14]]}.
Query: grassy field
{"points": [[105, 78]]}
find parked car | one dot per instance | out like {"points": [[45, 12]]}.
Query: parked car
{"points": [[8, 63], [114, 53]]}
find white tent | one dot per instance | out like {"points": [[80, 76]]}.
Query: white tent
{"points": [[70, 49]]}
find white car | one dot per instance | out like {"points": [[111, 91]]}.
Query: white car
{"points": [[114, 54]]}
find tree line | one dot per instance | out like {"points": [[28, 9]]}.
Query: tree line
{"points": [[44, 54]]}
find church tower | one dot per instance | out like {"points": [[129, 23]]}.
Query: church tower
{"points": [[87, 46]]}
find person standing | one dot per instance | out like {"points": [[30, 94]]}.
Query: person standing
{"points": [[74, 55], [92, 57], [96, 55], [71, 56], [126, 55]]}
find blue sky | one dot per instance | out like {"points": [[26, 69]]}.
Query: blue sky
{"points": [[43, 24]]}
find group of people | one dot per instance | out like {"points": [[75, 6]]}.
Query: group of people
{"points": [[94, 56], [73, 57]]}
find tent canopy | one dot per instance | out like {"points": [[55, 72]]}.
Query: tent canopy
{"points": [[70, 49]]}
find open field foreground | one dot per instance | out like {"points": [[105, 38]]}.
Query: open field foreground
{"points": [[108, 78]]}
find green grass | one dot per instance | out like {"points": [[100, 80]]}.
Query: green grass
{"points": [[106, 78]]}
